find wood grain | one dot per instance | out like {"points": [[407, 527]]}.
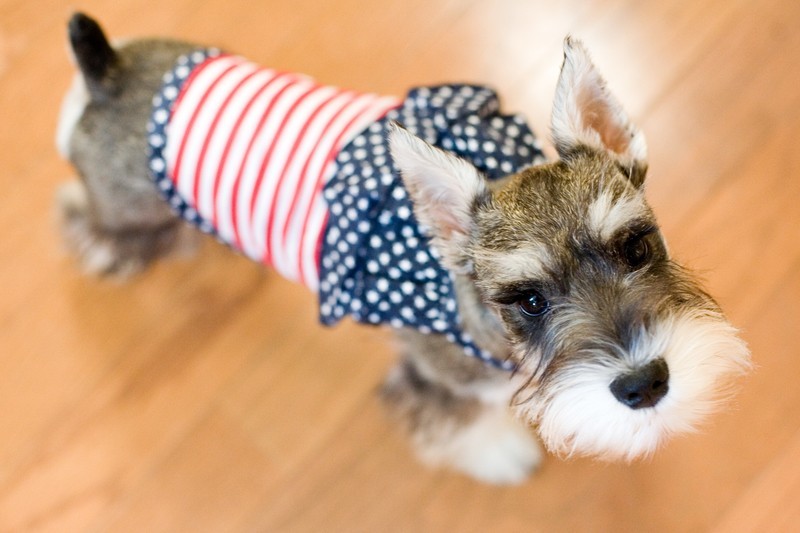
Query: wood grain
{"points": [[203, 395]]}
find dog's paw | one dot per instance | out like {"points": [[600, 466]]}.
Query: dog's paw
{"points": [[494, 448], [118, 253], [97, 254]]}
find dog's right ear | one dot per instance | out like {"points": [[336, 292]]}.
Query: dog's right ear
{"points": [[444, 190], [586, 114]]}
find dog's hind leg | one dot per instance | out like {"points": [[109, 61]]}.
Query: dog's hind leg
{"points": [[114, 220], [104, 249]]}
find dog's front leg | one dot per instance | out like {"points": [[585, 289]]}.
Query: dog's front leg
{"points": [[455, 411]]}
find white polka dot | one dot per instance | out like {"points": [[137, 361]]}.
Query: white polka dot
{"points": [[170, 92], [160, 116], [156, 140]]}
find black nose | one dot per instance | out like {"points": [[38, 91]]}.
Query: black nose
{"points": [[644, 387]]}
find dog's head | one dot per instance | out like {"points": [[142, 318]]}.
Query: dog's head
{"points": [[621, 345]]}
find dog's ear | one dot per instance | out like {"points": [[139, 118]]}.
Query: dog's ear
{"points": [[444, 190], [586, 114]]}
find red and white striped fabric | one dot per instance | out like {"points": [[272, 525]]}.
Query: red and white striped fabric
{"points": [[250, 148]]}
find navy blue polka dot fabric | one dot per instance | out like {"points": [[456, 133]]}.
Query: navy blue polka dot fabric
{"points": [[376, 263], [163, 103]]}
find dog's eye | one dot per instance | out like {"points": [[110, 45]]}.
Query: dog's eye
{"points": [[533, 304], [636, 251]]}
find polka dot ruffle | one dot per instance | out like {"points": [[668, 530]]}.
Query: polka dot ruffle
{"points": [[376, 263], [163, 103]]}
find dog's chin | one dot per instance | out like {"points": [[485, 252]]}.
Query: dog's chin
{"points": [[577, 415]]}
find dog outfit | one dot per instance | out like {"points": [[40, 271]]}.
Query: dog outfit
{"points": [[298, 175]]}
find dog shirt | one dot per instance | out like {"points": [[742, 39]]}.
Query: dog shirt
{"points": [[298, 175]]}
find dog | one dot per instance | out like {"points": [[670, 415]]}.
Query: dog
{"points": [[543, 297]]}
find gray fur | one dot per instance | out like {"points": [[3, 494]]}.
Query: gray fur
{"points": [[534, 232], [107, 149]]}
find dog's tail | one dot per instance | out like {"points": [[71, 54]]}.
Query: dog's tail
{"points": [[95, 57]]}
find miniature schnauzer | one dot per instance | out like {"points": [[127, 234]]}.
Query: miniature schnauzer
{"points": [[516, 285]]}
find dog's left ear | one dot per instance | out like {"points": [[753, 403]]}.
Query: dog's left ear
{"points": [[444, 189], [586, 114]]}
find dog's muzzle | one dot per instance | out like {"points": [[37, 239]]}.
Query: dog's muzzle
{"points": [[644, 387]]}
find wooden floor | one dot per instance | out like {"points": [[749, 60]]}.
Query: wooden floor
{"points": [[203, 396]]}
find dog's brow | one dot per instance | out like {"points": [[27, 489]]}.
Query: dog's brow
{"points": [[606, 215], [528, 262]]}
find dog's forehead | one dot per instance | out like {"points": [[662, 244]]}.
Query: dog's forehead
{"points": [[544, 212]]}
